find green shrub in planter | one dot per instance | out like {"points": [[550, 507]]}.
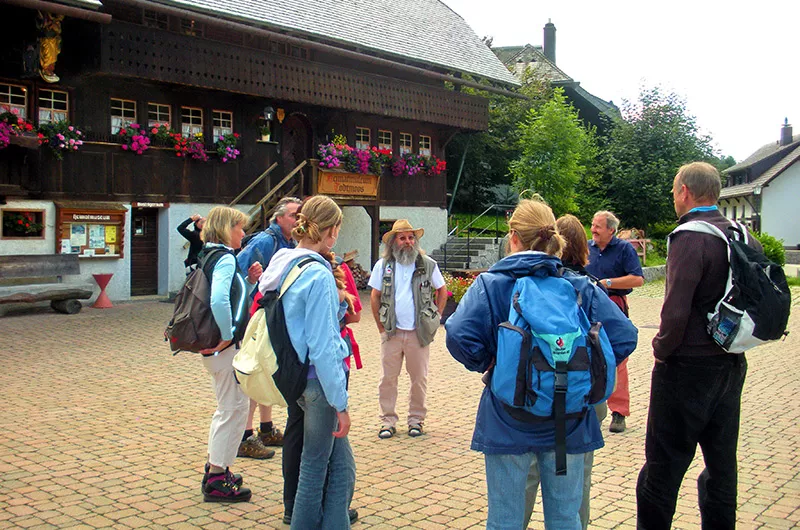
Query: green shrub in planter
{"points": [[773, 248]]}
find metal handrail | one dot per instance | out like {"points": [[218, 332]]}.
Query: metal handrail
{"points": [[453, 234]]}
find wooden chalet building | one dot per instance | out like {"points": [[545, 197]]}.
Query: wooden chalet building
{"points": [[285, 75]]}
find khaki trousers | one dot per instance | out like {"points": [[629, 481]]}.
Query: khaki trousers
{"points": [[403, 344]]}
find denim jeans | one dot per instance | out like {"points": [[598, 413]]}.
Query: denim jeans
{"points": [[506, 477], [693, 400], [318, 505]]}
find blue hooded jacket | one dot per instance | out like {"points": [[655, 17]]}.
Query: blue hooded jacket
{"points": [[472, 341]]}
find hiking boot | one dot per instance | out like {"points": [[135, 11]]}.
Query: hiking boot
{"points": [[351, 513], [275, 437], [237, 479], [223, 488], [617, 422], [253, 448]]}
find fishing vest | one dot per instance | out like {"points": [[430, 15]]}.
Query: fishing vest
{"points": [[426, 315]]}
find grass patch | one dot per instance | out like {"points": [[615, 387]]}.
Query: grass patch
{"points": [[488, 222], [793, 281]]}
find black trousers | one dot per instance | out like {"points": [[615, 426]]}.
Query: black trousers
{"points": [[693, 401], [292, 452]]}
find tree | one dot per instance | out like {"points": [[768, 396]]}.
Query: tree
{"points": [[556, 151], [645, 149]]}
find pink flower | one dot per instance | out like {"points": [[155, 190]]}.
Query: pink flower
{"points": [[71, 128], [124, 147]]}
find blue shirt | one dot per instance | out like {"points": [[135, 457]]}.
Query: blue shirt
{"points": [[618, 259], [262, 247]]}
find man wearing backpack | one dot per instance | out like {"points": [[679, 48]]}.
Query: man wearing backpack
{"points": [[408, 297], [696, 385], [615, 262], [260, 248]]}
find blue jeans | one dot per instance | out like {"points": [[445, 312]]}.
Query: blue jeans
{"points": [[506, 478], [317, 505]]}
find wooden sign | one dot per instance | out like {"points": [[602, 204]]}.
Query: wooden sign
{"points": [[340, 183]]}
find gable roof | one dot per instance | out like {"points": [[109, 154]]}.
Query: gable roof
{"points": [[792, 156], [518, 58], [423, 31], [761, 153]]}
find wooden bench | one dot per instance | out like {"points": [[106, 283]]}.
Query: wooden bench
{"points": [[635, 237], [35, 278]]}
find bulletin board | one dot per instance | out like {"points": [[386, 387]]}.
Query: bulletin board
{"points": [[91, 230]]}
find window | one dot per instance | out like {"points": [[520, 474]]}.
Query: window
{"points": [[362, 138], [734, 213], [406, 143], [154, 19], [14, 99], [425, 145], [158, 114], [724, 211], [223, 123], [191, 28], [123, 113], [385, 140], [53, 106], [191, 121], [22, 223]]}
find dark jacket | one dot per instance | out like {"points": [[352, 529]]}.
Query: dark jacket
{"points": [[195, 243], [697, 271], [472, 341]]}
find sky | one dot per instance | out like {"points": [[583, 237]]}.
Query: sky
{"points": [[736, 67]]}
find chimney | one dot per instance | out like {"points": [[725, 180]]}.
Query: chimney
{"points": [[786, 133], [550, 41]]}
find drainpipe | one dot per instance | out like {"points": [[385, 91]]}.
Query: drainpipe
{"points": [[458, 177]]}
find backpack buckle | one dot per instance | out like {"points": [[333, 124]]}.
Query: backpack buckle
{"points": [[561, 382]]}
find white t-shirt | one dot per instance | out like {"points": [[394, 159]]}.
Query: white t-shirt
{"points": [[403, 300]]}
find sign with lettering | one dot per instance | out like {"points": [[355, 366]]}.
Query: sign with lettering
{"points": [[347, 184], [150, 204], [90, 217]]}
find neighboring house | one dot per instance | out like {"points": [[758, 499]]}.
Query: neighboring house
{"points": [[541, 60], [763, 190], [286, 75]]}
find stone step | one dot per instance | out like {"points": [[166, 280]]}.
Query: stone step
{"points": [[793, 257], [460, 252]]}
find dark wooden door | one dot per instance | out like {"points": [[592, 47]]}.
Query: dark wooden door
{"points": [[296, 146], [144, 251]]}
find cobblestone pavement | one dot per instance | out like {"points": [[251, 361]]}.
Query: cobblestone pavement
{"points": [[103, 428]]}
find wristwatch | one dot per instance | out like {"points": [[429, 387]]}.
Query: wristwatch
{"points": [[608, 283]]}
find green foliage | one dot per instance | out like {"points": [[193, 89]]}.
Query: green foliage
{"points": [[645, 151], [488, 222], [793, 281], [773, 248], [556, 152]]}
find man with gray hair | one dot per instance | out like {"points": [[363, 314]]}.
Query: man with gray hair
{"points": [[260, 248], [408, 297], [615, 263]]}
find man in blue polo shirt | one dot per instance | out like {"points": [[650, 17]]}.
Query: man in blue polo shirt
{"points": [[615, 262]]}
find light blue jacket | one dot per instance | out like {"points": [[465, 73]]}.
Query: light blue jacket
{"points": [[224, 274], [312, 310], [263, 247]]}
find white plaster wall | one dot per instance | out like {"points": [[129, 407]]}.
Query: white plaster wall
{"points": [[433, 220], [743, 209], [47, 245], [355, 234], [780, 210]]}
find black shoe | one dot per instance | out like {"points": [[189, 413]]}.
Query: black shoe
{"points": [[617, 422], [351, 513], [223, 488], [237, 478]]}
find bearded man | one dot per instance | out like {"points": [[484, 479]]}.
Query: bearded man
{"points": [[408, 297]]}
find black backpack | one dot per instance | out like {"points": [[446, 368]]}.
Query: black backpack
{"points": [[192, 326], [757, 302]]}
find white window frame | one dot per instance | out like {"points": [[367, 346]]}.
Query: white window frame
{"points": [[406, 143], [9, 100], [123, 113], [191, 127], [423, 150], [50, 114], [363, 138], [384, 139], [155, 19], [158, 109], [221, 124]]}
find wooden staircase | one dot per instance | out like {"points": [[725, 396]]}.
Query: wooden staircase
{"points": [[290, 185]]}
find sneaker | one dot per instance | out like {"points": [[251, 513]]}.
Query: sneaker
{"points": [[253, 448], [223, 488], [274, 438], [351, 513], [237, 479], [415, 430], [617, 422]]}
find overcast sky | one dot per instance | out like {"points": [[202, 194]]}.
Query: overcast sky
{"points": [[735, 63]]}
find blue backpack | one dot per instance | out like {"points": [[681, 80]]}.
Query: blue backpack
{"points": [[552, 363]]}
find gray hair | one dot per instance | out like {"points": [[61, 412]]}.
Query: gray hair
{"points": [[611, 220], [702, 179], [280, 208], [388, 253]]}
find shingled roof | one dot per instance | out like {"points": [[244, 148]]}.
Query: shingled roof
{"points": [[792, 156], [421, 31], [761, 153]]}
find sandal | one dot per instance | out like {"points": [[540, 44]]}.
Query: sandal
{"points": [[386, 431], [415, 430]]}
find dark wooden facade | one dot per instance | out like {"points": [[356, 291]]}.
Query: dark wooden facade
{"points": [[218, 69]]}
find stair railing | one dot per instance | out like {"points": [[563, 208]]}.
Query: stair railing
{"points": [[455, 232]]}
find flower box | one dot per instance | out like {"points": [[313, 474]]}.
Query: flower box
{"points": [[26, 141]]}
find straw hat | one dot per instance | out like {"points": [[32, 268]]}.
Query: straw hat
{"points": [[402, 225], [353, 254]]}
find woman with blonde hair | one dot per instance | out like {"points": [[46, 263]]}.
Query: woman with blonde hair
{"points": [[222, 234], [313, 307], [510, 443]]}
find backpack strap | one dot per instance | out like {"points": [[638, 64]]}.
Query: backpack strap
{"points": [[295, 273]]}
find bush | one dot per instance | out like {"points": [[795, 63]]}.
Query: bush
{"points": [[773, 248]]}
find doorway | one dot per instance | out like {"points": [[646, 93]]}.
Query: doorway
{"points": [[296, 147], [144, 251]]}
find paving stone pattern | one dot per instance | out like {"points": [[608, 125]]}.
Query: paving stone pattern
{"points": [[104, 428]]}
